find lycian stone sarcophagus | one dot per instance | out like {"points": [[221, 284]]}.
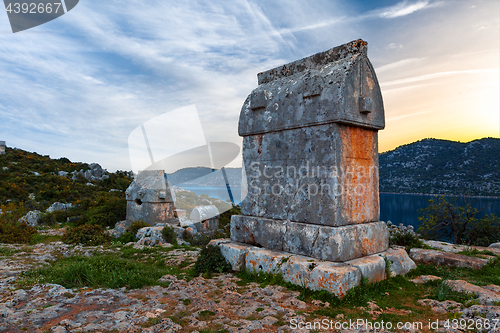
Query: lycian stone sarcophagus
{"points": [[311, 159], [150, 198]]}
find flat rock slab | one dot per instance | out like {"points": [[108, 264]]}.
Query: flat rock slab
{"points": [[335, 277], [454, 248], [482, 312], [441, 307], [485, 296], [425, 278], [441, 258], [495, 245]]}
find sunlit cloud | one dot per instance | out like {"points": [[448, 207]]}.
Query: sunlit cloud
{"points": [[437, 75], [402, 9]]}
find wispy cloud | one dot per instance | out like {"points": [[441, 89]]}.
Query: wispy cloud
{"points": [[404, 63], [402, 9], [438, 75], [406, 116]]}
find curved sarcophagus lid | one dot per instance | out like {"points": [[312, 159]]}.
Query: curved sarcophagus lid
{"points": [[150, 186], [335, 86]]}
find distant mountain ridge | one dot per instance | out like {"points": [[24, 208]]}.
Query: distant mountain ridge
{"points": [[426, 166], [203, 176], [443, 167]]}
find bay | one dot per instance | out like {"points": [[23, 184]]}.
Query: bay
{"points": [[397, 208]]}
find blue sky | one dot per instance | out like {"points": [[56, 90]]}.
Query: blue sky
{"points": [[79, 85]]}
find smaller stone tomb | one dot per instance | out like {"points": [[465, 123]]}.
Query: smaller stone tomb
{"points": [[205, 218], [150, 198], [2, 147]]}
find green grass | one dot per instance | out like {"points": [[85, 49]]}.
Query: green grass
{"points": [[473, 252], [131, 268], [5, 251], [45, 239], [489, 274], [205, 315]]}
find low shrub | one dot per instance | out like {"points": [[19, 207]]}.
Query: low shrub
{"points": [[130, 233], [136, 225], [15, 232], [169, 235], [126, 237], [107, 211], [200, 239], [55, 217], [403, 236], [211, 260], [86, 234]]}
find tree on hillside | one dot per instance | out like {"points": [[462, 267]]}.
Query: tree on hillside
{"points": [[442, 220]]}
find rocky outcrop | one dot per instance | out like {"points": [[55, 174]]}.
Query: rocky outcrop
{"points": [[150, 236], [454, 248], [31, 218], [441, 258], [95, 173], [58, 206], [484, 296]]}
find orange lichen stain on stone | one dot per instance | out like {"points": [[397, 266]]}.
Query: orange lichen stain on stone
{"points": [[359, 174], [327, 283], [253, 263], [369, 246]]}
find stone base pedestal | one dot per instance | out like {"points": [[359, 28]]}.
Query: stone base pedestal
{"points": [[338, 244], [312, 273]]}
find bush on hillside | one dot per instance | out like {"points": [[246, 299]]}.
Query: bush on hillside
{"points": [[169, 235], [211, 260], [14, 232], [86, 234]]}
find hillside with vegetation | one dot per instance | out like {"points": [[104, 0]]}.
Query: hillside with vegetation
{"points": [[443, 167], [30, 181]]}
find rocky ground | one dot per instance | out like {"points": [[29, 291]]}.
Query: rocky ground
{"points": [[215, 304]]}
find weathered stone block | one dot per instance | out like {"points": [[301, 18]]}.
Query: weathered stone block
{"points": [[484, 296], [304, 271], [150, 236], [335, 278], [235, 253], [311, 169], [322, 242], [400, 262], [350, 242], [264, 260], [258, 231], [371, 267]]}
